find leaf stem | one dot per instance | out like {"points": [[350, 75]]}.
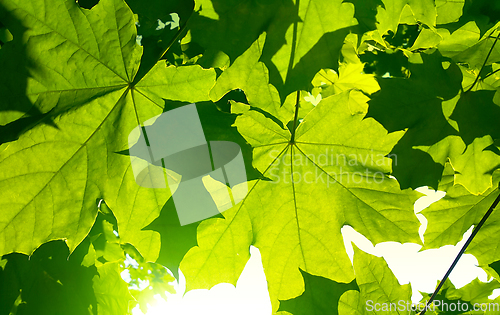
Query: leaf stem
{"points": [[290, 68], [295, 118], [176, 37], [469, 240], [484, 64]]}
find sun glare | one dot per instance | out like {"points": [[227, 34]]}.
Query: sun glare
{"points": [[249, 297]]}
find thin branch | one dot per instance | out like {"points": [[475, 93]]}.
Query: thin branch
{"points": [[491, 73], [469, 240], [484, 64]]}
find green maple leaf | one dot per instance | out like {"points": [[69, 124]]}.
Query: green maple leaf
{"points": [[321, 296], [449, 11], [299, 218], [450, 217], [48, 282], [475, 166], [427, 39], [474, 292], [72, 92], [52, 177], [444, 124], [460, 40], [377, 284], [379, 18], [302, 38], [416, 12], [389, 15], [419, 103], [111, 292], [350, 76], [251, 75], [464, 298], [476, 54]]}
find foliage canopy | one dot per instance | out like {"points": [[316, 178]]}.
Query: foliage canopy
{"points": [[341, 109]]}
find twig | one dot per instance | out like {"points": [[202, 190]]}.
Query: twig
{"points": [[491, 73], [484, 64], [469, 240]]}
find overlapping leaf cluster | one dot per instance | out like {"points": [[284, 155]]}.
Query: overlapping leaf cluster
{"points": [[341, 109]]}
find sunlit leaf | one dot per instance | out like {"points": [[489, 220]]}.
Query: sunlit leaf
{"points": [[53, 176], [292, 226]]}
